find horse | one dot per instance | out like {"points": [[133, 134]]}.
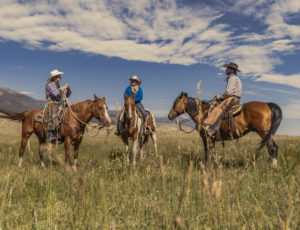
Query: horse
{"points": [[72, 127], [259, 117], [131, 126]]}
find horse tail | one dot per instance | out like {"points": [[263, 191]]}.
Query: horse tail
{"points": [[12, 115], [276, 116]]}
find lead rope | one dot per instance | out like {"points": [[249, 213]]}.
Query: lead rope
{"points": [[99, 127]]}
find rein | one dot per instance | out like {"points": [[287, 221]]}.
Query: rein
{"points": [[179, 123], [99, 127]]}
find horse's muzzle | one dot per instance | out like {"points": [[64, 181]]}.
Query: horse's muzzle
{"points": [[107, 123], [171, 116]]}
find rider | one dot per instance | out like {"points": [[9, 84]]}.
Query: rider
{"points": [[135, 88], [231, 97], [54, 98]]}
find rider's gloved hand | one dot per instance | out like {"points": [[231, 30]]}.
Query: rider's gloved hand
{"points": [[218, 96]]}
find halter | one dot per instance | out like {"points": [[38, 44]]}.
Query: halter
{"points": [[99, 126]]}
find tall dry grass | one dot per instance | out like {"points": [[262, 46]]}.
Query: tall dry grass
{"points": [[173, 191]]}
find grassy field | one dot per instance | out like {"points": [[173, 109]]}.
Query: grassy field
{"points": [[172, 191]]}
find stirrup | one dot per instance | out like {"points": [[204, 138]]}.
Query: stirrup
{"points": [[147, 130]]}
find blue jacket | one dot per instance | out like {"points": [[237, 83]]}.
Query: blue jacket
{"points": [[138, 96]]}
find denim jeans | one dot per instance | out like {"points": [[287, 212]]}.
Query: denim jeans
{"points": [[141, 108]]}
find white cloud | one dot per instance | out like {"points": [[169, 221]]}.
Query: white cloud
{"points": [[292, 110], [292, 80], [159, 31], [26, 92]]}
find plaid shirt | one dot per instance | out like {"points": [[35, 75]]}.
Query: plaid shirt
{"points": [[234, 86]]}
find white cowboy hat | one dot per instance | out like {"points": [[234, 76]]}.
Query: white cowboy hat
{"points": [[55, 73], [135, 78]]}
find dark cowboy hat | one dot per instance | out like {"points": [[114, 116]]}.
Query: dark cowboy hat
{"points": [[233, 66]]}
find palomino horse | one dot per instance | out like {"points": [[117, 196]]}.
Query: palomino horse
{"points": [[72, 128], [131, 125], [260, 117]]}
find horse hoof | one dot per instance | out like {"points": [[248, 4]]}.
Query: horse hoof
{"points": [[43, 165], [20, 163], [74, 168], [274, 163]]}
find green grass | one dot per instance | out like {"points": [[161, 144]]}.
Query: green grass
{"points": [[169, 192]]}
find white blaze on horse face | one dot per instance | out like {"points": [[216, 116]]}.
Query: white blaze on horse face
{"points": [[130, 112], [106, 114]]}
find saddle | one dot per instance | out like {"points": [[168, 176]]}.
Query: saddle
{"points": [[140, 114], [230, 113], [39, 117], [148, 120]]}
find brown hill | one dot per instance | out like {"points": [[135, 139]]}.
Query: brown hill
{"points": [[18, 102]]}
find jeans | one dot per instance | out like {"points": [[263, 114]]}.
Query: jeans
{"points": [[141, 108]]}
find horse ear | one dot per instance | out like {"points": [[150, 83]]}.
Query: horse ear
{"points": [[183, 94], [124, 95], [103, 99], [96, 98]]}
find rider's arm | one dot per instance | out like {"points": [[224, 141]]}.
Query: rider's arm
{"points": [[68, 92], [54, 91], [139, 95], [128, 91]]}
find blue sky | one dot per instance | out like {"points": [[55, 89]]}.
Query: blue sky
{"points": [[170, 45]]}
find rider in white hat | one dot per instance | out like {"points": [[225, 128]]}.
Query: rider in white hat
{"points": [[230, 97], [53, 97]]}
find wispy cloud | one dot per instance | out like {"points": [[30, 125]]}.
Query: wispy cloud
{"points": [[292, 110], [275, 90], [292, 80], [26, 92], [160, 31]]}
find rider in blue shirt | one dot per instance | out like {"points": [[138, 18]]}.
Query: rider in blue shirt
{"points": [[134, 88]]}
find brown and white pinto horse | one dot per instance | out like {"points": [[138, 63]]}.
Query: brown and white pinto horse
{"points": [[131, 126], [71, 129], [260, 117]]}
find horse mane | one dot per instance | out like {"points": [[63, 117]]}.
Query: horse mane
{"points": [[80, 106], [192, 105]]}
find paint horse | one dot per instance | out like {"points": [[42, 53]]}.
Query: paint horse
{"points": [[72, 128], [260, 117], [132, 126]]}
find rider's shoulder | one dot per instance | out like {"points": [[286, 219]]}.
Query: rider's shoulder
{"points": [[51, 83]]}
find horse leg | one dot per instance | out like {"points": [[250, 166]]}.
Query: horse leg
{"points": [[273, 152], [67, 143], [76, 151], [154, 141], [211, 153], [42, 143], [25, 137], [134, 150], [206, 151], [141, 145], [125, 141]]}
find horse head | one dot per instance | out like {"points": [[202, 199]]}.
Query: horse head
{"points": [[179, 106], [100, 111], [129, 106]]}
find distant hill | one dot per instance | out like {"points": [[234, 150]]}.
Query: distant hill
{"points": [[17, 102]]}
